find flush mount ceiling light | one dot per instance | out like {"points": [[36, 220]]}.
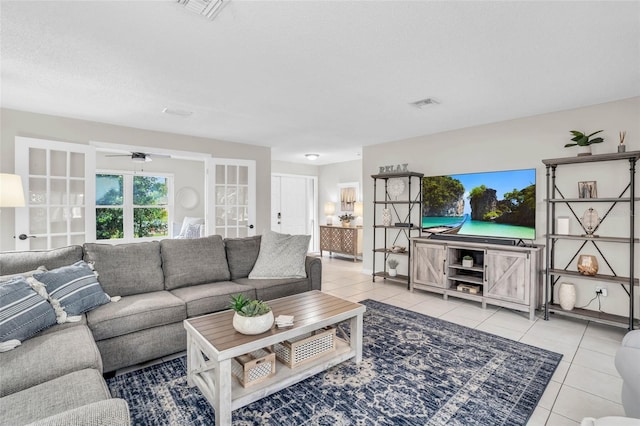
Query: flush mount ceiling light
{"points": [[312, 157], [423, 103], [208, 8], [178, 112]]}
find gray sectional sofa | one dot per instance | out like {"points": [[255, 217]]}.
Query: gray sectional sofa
{"points": [[56, 377]]}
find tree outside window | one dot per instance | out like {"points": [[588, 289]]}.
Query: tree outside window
{"points": [[130, 207]]}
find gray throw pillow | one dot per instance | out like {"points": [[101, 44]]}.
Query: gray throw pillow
{"points": [[74, 287], [242, 254], [23, 312], [281, 256]]}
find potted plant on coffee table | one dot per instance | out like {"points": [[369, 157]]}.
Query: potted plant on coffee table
{"points": [[251, 316]]}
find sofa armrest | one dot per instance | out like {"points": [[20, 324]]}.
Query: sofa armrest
{"points": [[102, 413], [313, 267]]}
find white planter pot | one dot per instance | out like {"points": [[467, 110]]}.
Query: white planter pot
{"points": [[584, 150], [567, 296], [253, 325], [467, 263], [393, 272]]}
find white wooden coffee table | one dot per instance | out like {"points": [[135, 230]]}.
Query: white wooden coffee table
{"points": [[212, 342]]}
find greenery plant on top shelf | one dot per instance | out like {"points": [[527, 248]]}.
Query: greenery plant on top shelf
{"points": [[580, 139], [248, 308]]}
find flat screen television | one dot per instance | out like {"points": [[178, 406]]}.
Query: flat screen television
{"points": [[492, 204]]}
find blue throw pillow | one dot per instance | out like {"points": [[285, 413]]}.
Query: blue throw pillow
{"points": [[23, 312], [75, 288]]}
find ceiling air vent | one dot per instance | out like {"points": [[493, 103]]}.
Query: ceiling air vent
{"points": [[423, 103]]}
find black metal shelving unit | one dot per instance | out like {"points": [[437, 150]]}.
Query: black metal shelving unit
{"points": [[553, 274], [407, 211]]}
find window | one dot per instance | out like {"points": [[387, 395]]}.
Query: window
{"points": [[130, 207]]}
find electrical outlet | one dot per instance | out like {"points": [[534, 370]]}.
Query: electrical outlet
{"points": [[601, 291]]}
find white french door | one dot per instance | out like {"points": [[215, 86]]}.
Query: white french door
{"points": [[231, 194], [293, 205], [59, 180]]}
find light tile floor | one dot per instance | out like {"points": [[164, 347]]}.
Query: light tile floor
{"points": [[586, 383]]}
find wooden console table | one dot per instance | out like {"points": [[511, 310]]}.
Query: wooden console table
{"points": [[341, 239]]}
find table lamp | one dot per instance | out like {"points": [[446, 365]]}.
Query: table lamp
{"points": [[329, 211], [11, 192], [357, 212]]}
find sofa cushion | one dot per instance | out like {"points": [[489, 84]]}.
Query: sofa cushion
{"points": [[136, 312], [242, 254], [109, 412], [46, 357], [193, 261], [126, 269], [23, 312], [207, 298], [21, 261], [269, 289], [63, 393], [281, 256], [75, 288]]}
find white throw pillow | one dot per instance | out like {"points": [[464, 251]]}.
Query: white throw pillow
{"points": [[190, 221], [281, 256]]}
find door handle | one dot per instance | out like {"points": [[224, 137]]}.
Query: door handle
{"points": [[279, 215], [250, 226], [24, 236]]}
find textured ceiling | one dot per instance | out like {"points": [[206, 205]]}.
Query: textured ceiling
{"points": [[310, 76]]}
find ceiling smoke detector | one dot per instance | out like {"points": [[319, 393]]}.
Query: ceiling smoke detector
{"points": [[423, 103], [178, 112], [312, 157]]}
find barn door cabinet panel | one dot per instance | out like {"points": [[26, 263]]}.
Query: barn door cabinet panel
{"points": [[508, 277]]}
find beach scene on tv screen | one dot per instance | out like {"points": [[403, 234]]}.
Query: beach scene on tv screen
{"points": [[494, 204]]}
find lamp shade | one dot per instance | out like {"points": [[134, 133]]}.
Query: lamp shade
{"points": [[11, 192], [357, 209], [329, 208]]}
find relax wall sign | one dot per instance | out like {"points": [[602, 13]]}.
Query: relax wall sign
{"points": [[399, 168]]}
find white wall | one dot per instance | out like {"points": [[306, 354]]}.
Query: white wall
{"points": [[519, 144], [330, 176], [20, 123]]}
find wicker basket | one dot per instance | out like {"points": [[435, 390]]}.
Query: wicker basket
{"points": [[254, 367], [293, 353]]}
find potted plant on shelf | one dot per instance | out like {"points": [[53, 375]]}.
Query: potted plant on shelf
{"points": [[393, 264], [467, 261], [346, 219], [583, 141], [251, 316]]}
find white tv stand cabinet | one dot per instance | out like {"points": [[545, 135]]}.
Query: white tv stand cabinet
{"points": [[507, 276]]}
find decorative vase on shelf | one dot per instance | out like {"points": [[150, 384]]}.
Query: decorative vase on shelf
{"points": [[567, 296], [587, 264], [393, 272], [386, 217], [346, 223]]}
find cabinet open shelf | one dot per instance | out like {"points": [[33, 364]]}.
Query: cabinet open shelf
{"points": [[386, 276], [590, 200], [466, 279]]}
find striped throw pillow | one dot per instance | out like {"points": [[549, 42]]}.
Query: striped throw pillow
{"points": [[74, 288], [23, 312]]}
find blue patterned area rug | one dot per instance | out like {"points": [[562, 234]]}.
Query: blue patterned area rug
{"points": [[416, 370]]}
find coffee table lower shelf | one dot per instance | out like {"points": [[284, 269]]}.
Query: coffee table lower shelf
{"points": [[284, 377]]}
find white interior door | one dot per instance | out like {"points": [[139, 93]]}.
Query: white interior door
{"points": [[293, 201], [231, 197], [59, 180]]}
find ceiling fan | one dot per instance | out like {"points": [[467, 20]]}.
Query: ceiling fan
{"points": [[140, 157]]}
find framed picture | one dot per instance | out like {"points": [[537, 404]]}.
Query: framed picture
{"points": [[348, 195], [587, 189]]}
